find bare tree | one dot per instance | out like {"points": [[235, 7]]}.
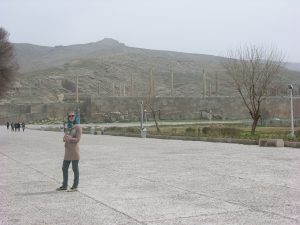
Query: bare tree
{"points": [[252, 70], [7, 65], [151, 103]]}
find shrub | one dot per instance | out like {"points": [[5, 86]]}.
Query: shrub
{"points": [[123, 130], [199, 131], [108, 120], [134, 130], [205, 130], [290, 137], [211, 131], [173, 131], [222, 131], [230, 131], [114, 129], [190, 131], [86, 130]]}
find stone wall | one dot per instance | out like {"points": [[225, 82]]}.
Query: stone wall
{"points": [[128, 108], [34, 112], [193, 107]]}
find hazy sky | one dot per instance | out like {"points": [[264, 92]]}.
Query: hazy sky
{"points": [[195, 26]]}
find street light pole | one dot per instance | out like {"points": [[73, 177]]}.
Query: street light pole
{"points": [[77, 99], [145, 115], [292, 111], [142, 117]]}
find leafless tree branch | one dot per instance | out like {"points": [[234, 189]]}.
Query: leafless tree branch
{"points": [[252, 70]]}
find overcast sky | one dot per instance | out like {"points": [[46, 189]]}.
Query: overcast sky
{"points": [[194, 26]]}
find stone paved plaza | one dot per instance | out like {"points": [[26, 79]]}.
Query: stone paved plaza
{"points": [[147, 181]]}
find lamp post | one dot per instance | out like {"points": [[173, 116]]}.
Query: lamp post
{"points": [[77, 100], [142, 116], [143, 130], [145, 115], [292, 111]]}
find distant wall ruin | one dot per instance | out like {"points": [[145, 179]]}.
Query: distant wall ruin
{"points": [[171, 108]]}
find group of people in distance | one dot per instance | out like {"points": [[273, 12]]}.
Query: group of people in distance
{"points": [[15, 126]]}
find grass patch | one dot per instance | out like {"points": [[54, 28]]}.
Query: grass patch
{"points": [[238, 131], [121, 130]]}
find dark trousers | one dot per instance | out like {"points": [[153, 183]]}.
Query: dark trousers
{"points": [[75, 168]]}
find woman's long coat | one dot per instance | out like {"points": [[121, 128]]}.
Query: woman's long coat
{"points": [[72, 149]]}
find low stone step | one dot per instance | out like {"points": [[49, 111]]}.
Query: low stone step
{"points": [[271, 142]]}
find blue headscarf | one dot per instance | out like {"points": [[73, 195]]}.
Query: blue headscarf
{"points": [[70, 125]]}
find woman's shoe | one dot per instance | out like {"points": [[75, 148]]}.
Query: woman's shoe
{"points": [[62, 188], [73, 189]]}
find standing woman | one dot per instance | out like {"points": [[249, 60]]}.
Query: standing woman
{"points": [[71, 139]]}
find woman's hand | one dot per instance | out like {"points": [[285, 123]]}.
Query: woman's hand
{"points": [[66, 138]]}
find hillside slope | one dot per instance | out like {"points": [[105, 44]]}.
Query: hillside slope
{"points": [[48, 72]]}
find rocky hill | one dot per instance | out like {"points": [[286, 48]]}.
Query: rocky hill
{"points": [[110, 68]]}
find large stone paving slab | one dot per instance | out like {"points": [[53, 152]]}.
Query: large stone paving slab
{"points": [[147, 181]]}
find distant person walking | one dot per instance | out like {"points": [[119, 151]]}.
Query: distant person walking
{"points": [[12, 125], [72, 152], [23, 126], [16, 126], [7, 125]]}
